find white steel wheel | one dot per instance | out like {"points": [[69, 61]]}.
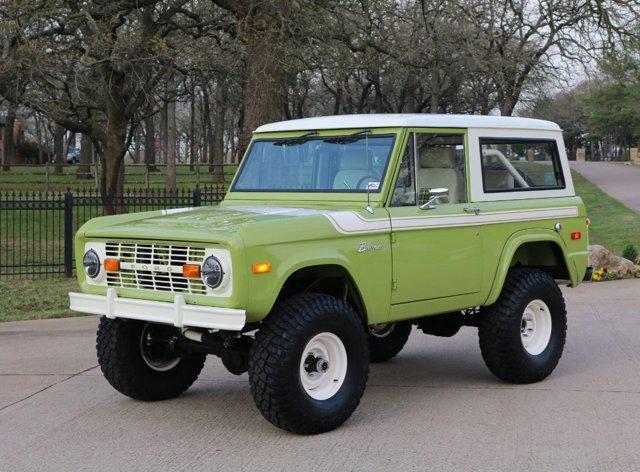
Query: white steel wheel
{"points": [[535, 327], [323, 366]]}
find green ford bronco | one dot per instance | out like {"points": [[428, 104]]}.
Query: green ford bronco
{"points": [[337, 235]]}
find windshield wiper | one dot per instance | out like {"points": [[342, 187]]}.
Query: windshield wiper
{"points": [[349, 138], [297, 140]]}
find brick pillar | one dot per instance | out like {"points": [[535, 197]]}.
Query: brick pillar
{"points": [[580, 155], [634, 156]]}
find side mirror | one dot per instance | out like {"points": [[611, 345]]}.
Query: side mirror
{"points": [[435, 194]]}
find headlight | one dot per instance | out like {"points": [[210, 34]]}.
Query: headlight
{"points": [[91, 263], [212, 272]]}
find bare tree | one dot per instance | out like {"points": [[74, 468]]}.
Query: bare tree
{"points": [[517, 39]]}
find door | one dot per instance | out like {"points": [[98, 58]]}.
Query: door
{"points": [[437, 248]]}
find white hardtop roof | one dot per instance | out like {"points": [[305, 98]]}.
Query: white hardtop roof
{"points": [[417, 120]]}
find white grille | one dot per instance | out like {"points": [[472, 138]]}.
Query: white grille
{"points": [[154, 267]]}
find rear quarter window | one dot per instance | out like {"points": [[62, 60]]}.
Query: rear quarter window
{"points": [[514, 164]]}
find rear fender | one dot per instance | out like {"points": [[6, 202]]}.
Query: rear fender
{"points": [[511, 247]]}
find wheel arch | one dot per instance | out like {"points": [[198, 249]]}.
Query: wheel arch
{"points": [[540, 248], [329, 278]]}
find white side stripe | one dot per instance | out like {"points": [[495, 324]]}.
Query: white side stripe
{"points": [[350, 222]]}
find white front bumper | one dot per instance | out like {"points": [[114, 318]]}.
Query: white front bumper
{"points": [[177, 313]]}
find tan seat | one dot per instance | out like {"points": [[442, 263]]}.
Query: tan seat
{"points": [[352, 169], [498, 180], [438, 169]]}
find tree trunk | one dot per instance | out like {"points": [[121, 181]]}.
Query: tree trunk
{"points": [[39, 138], [205, 120], [150, 143], [411, 100], [217, 162], [208, 129], [264, 73], [136, 148], [84, 166], [192, 130], [163, 134], [58, 149], [508, 103], [9, 145], [113, 144], [171, 178]]}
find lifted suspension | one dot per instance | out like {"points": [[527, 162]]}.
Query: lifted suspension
{"points": [[232, 348]]}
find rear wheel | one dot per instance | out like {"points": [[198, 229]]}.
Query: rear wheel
{"points": [[386, 340], [309, 364], [138, 359], [522, 335]]}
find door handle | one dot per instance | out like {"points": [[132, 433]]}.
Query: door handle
{"points": [[472, 209]]}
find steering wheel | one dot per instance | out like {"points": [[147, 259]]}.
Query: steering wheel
{"points": [[362, 183]]}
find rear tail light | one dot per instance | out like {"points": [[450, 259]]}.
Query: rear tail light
{"points": [[588, 222], [576, 235]]}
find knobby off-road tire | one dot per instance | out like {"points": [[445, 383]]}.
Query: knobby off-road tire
{"points": [[123, 365], [386, 341], [502, 329], [279, 363]]}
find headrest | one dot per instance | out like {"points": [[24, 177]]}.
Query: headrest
{"points": [[352, 160], [438, 157]]}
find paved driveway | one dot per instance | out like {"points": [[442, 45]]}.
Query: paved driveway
{"points": [[618, 180], [435, 407]]}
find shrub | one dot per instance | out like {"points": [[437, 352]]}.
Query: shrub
{"points": [[630, 252]]}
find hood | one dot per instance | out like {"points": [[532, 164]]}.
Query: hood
{"points": [[203, 224]]}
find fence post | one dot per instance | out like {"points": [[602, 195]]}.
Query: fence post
{"points": [[197, 197], [68, 233]]}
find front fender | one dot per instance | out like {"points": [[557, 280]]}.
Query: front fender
{"points": [[370, 271], [511, 246]]}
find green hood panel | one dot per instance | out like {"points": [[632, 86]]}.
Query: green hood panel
{"points": [[221, 224]]}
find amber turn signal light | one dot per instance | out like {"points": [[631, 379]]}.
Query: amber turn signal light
{"points": [[262, 267], [191, 271], [576, 235], [112, 265]]}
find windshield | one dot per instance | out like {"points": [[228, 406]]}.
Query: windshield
{"points": [[316, 164]]}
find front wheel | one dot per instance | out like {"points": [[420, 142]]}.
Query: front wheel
{"points": [[522, 335], [138, 360], [309, 364]]}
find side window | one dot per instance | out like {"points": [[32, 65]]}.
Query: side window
{"points": [[520, 164], [440, 160], [404, 193]]}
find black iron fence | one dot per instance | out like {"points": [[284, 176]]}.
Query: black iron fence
{"points": [[37, 228]]}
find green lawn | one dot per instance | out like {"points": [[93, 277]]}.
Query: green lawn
{"points": [[613, 225], [35, 299], [35, 177]]}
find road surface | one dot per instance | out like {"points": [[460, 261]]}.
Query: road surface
{"points": [[435, 407]]}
